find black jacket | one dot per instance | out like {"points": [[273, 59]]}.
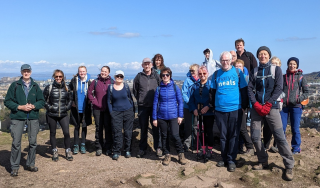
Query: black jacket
{"points": [[250, 61], [58, 101], [268, 89], [144, 87]]}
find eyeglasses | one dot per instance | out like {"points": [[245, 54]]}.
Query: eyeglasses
{"points": [[165, 75], [200, 74], [192, 70], [58, 77], [119, 76], [225, 60]]}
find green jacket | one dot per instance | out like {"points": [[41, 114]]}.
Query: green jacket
{"points": [[16, 96]]}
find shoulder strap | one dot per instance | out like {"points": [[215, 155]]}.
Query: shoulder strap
{"points": [[247, 55], [215, 77], [255, 73], [238, 77], [95, 83], [300, 83], [110, 91], [50, 88]]}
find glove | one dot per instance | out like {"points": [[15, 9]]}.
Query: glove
{"points": [[258, 107], [266, 108]]}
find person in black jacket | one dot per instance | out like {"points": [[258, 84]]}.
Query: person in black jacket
{"points": [[250, 61], [58, 102]]}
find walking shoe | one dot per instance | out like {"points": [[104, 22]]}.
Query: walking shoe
{"points": [[98, 152], [182, 159], [250, 152], [221, 164], [75, 149], [231, 167], [159, 152], [32, 168], [260, 166], [296, 152], [108, 152], [289, 174], [14, 172], [141, 153], [69, 155], [274, 149], [115, 157], [55, 156], [128, 154], [166, 160], [83, 148]]}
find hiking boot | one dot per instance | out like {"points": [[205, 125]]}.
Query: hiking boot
{"points": [[32, 168], [141, 153], [260, 166], [231, 167], [98, 152], [182, 159], [166, 160], [75, 149], [55, 156], [289, 174], [69, 155], [83, 148], [274, 149], [128, 154], [115, 157], [14, 173], [221, 164], [159, 152], [250, 152], [108, 152]]}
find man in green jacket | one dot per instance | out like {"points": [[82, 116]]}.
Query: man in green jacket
{"points": [[24, 98]]}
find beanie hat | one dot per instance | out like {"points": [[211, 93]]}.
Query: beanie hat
{"points": [[293, 59], [264, 48]]}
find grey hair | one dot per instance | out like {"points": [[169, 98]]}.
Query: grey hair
{"points": [[226, 53]]}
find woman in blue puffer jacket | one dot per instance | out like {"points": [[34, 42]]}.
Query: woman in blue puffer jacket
{"points": [[168, 114]]}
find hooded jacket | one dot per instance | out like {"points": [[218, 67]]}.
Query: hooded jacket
{"points": [[170, 104], [186, 89], [267, 89], [98, 95], [203, 98], [144, 87], [291, 88], [74, 115], [16, 96], [58, 102], [211, 64]]}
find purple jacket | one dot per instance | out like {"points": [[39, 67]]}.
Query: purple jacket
{"points": [[98, 97]]}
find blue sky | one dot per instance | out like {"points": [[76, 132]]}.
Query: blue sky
{"points": [[65, 34]]}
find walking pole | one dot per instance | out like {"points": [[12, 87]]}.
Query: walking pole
{"points": [[192, 132]]}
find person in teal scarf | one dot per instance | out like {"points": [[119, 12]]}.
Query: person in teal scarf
{"points": [[158, 63]]}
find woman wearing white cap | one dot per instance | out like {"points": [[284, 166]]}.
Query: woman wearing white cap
{"points": [[121, 108]]}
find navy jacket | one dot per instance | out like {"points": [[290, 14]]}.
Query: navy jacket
{"points": [[204, 98], [170, 104]]}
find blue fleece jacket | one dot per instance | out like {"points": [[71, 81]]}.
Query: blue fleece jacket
{"points": [[186, 89], [82, 92]]}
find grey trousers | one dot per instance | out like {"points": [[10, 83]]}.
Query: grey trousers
{"points": [[16, 134], [275, 125]]}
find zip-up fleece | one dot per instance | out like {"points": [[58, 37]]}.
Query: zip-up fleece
{"points": [[267, 89], [99, 97], [204, 98], [35, 97], [186, 89], [291, 89]]}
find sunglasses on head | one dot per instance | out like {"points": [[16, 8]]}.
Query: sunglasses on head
{"points": [[165, 75], [119, 76], [58, 77]]}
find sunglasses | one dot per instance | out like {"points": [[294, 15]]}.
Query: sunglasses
{"points": [[192, 70], [165, 75], [119, 76], [203, 74], [58, 77]]}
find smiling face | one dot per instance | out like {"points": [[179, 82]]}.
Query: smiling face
{"points": [[239, 66], [292, 65], [240, 47], [82, 72], [203, 75], [207, 55], [147, 66], [158, 62], [119, 78], [225, 62], [276, 63], [193, 71], [165, 76], [58, 77], [26, 74], [263, 56], [104, 72]]}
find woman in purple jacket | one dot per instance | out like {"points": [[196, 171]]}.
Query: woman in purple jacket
{"points": [[97, 94], [168, 114]]}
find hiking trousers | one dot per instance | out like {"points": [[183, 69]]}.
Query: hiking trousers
{"points": [[103, 121], [244, 133], [275, 125], [16, 128]]}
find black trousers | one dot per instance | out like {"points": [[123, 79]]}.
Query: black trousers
{"points": [[166, 126], [145, 114], [244, 135], [208, 130], [77, 130], [122, 120], [64, 123], [103, 121]]}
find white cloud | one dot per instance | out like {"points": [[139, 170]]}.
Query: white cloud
{"points": [[112, 31], [41, 62], [114, 65], [133, 65], [183, 67], [11, 62], [72, 65]]}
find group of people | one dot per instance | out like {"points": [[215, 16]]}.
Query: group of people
{"points": [[230, 92]]}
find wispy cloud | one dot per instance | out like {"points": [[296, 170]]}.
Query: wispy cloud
{"points": [[295, 39], [11, 62], [112, 31], [183, 67], [112, 28], [133, 65], [41, 62]]}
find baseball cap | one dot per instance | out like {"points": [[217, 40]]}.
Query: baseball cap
{"points": [[119, 72], [25, 67]]}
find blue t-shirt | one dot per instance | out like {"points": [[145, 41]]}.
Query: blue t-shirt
{"points": [[120, 101], [228, 98]]}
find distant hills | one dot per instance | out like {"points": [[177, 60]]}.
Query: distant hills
{"points": [[312, 77]]}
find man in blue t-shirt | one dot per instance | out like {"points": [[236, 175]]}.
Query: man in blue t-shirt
{"points": [[230, 98]]}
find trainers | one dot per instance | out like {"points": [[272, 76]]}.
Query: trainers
{"points": [[141, 153], [289, 174], [166, 160], [274, 149], [221, 164], [128, 154], [182, 159], [296, 152], [159, 152], [75, 149], [69, 155], [55, 156], [14, 172], [32, 168], [115, 157], [231, 167], [83, 148], [250, 152], [108, 152], [98, 152], [260, 166]]}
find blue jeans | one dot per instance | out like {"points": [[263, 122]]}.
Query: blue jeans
{"points": [[295, 116]]}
